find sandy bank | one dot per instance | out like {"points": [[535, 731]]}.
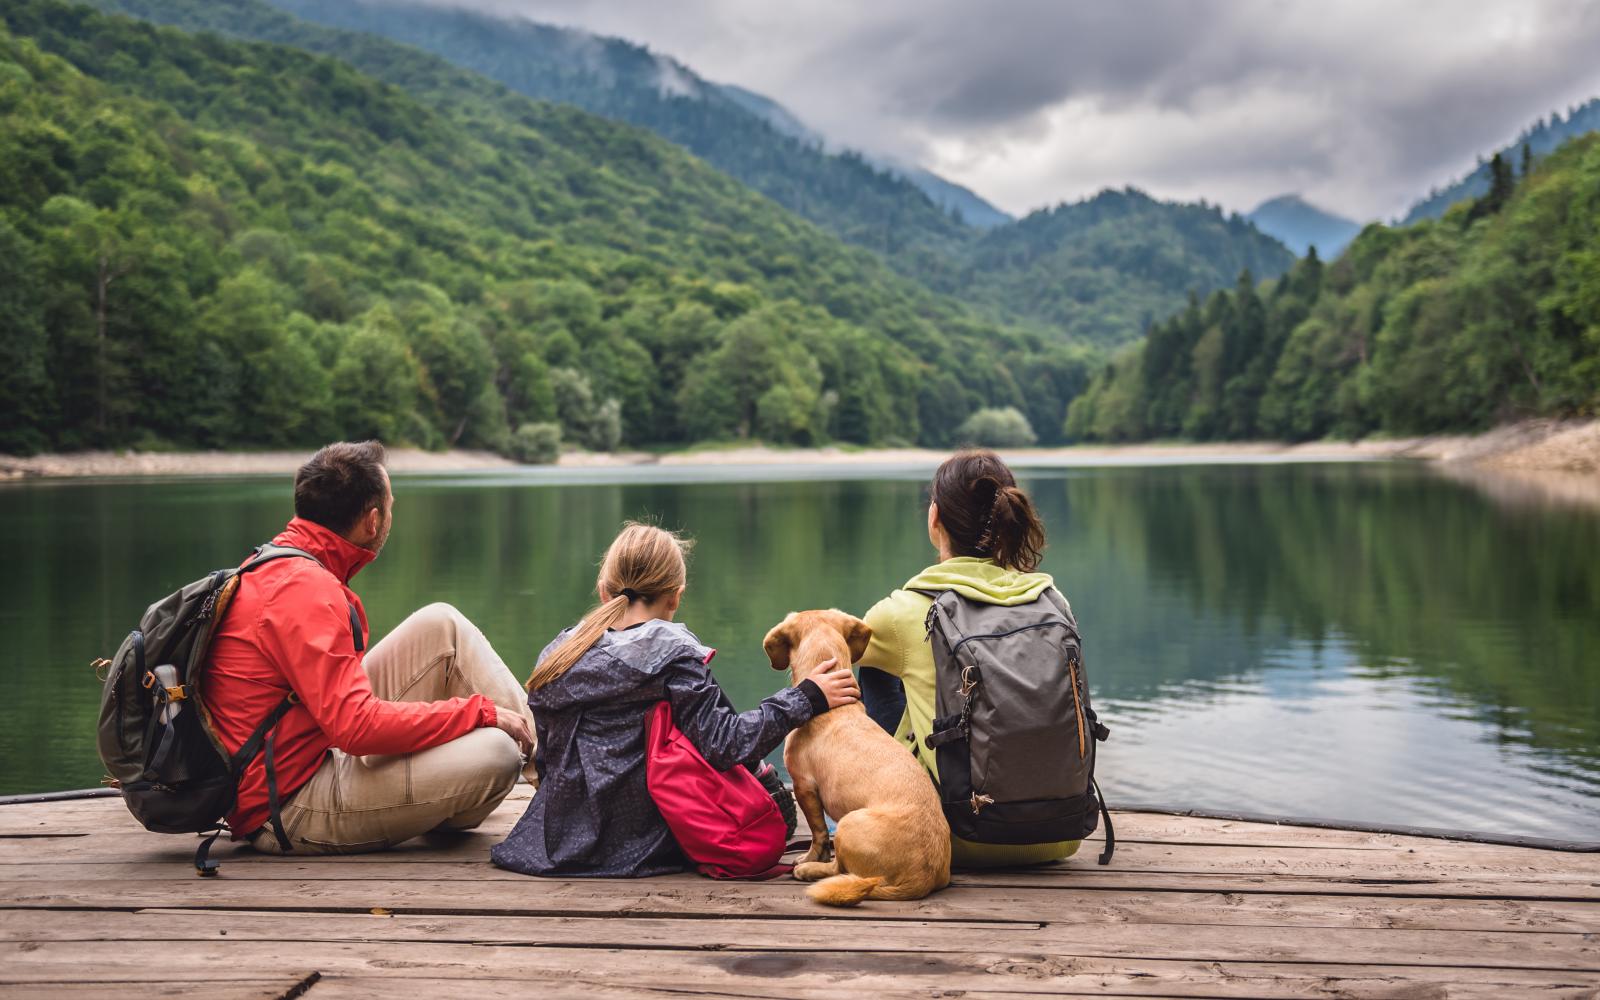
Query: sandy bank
{"points": [[1531, 446]]}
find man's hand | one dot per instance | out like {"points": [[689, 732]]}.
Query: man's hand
{"points": [[838, 686], [513, 724]]}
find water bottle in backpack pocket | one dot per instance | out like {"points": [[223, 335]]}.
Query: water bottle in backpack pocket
{"points": [[1014, 733]]}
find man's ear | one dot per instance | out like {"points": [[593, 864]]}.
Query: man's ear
{"points": [[366, 528], [857, 634], [778, 643]]}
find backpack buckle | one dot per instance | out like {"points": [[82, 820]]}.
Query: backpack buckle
{"points": [[177, 693]]}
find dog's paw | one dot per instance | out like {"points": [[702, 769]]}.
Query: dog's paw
{"points": [[815, 871]]}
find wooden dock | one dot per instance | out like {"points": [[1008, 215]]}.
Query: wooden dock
{"points": [[90, 905]]}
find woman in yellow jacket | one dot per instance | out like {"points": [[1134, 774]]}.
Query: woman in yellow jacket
{"points": [[989, 541]]}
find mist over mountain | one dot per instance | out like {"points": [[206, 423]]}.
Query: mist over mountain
{"points": [[1541, 138], [1302, 225], [961, 201]]}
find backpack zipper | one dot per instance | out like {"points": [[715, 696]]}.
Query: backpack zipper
{"points": [[1077, 703], [1002, 635]]}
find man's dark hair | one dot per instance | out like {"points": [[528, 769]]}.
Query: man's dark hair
{"points": [[341, 482]]}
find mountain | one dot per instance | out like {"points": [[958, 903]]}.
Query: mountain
{"points": [[1108, 265], [1491, 313], [752, 139], [747, 136], [1301, 225], [1541, 138], [206, 242]]}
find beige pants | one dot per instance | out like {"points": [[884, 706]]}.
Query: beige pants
{"points": [[355, 804]]}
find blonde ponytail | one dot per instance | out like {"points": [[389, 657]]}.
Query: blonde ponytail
{"points": [[644, 563], [587, 633]]}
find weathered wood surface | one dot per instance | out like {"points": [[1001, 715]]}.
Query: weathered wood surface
{"points": [[91, 906]]}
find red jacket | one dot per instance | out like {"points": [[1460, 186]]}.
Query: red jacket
{"points": [[288, 628]]}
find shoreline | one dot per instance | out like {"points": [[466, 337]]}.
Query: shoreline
{"points": [[1528, 447]]}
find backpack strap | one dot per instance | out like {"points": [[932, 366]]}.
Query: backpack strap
{"points": [[263, 739], [267, 552], [1105, 817]]}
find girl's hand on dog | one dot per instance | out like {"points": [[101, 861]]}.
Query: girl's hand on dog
{"points": [[838, 686]]}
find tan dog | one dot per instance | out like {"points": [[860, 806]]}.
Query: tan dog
{"points": [[892, 840]]}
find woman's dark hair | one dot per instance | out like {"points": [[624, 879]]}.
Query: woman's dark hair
{"points": [[341, 482], [984, 512]]}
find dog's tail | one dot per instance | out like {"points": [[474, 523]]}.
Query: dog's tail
{"points": [[843, 889]]}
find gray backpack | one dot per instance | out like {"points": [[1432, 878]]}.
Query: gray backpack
{"points": [[1013, 732]]}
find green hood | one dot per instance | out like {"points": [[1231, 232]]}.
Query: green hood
{"points": [[981, 580]]}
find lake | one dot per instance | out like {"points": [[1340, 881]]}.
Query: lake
{"points": [[1367, 642]]}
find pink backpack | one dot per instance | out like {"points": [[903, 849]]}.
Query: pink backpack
{"points": [[724, 822]]}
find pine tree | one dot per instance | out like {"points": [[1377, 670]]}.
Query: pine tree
{"points": [[1501, 184]]}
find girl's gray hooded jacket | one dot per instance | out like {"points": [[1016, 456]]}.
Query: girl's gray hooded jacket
{"points": [[593, 814]]}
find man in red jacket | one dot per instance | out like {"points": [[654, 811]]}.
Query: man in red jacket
{"points": [[425, 731]]}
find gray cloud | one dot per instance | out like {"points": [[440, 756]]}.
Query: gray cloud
{"points": [[1361, 105]]}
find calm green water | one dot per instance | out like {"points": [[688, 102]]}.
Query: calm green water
{"points": [[1362, 642]]}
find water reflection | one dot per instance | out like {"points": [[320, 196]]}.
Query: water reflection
{"points": [[1363, 642]]}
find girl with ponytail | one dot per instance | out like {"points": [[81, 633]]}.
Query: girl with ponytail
{"points": [[590, 692], [989, 541]]}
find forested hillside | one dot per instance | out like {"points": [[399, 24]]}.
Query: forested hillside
{"points": [[1103, 268], [1490, 313], [1541, 138], [1096, 270], [845, 194], [212, 243]]}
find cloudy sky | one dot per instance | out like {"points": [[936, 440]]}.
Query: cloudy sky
{"points": [[1360, 105]]}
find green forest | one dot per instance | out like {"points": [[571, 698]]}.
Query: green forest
{"points": [[1490, 313], [209, 243], [1098, 270]]}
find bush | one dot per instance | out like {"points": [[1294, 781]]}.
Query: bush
{"points": [[536, 444], [595, 424], [996, 427]]}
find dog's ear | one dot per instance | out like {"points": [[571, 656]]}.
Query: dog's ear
{"points": [[779, 643], [857, 634]]}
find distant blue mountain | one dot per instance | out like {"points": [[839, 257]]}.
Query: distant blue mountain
{"points": [[1543, 137], [1301, 225]]}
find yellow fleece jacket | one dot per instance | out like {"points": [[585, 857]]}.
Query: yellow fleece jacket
{"points": [[899, 646]]}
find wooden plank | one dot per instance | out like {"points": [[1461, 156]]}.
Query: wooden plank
{"points": [[93, 816], [783, 898], [1462, 862], [1006, 972], [267, 989], [166, 866], [1196, 941], [1221, 983], [540, 896]]}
